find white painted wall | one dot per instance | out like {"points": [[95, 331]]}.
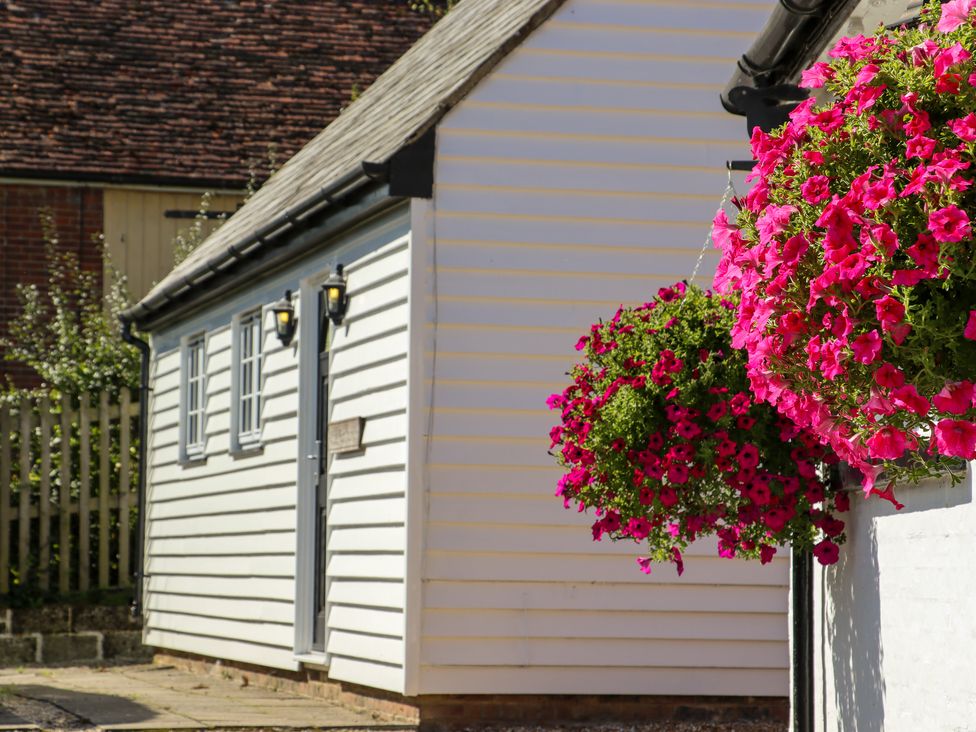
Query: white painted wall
{"points": [[582, 173], [367, 495], [896, 638], [222, 553]]}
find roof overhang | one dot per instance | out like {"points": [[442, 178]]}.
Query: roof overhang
{"points": [[280, 244]]}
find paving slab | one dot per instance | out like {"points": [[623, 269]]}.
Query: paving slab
{"points": [[146, 697]]}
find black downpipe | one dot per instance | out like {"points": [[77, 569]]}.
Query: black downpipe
{"points": [[130, 338], [802, 597]]}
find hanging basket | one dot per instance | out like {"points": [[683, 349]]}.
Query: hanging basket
{"points": [[660, 436], [854, 253]]}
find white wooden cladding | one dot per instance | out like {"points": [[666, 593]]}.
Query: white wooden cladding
{"points": [[52, 486], [581, 174], [367, 492], [221, 543], [220, 546]]}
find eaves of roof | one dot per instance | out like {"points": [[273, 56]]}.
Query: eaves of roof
{"points": [[403, 104]]}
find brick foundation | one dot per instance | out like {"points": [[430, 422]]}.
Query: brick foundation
{"points": [[453, 711], [78, 215]]}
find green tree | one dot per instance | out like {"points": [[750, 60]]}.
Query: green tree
{"points": [[68, 331]]}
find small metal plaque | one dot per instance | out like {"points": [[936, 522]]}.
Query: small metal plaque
{"points": [[346, 435]]}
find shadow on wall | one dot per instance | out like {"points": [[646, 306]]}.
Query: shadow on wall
{"points": [[853, 632]]}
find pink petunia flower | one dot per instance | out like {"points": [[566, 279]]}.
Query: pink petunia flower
{"points": [[954, 14], [867, 347], [949, 224], [888, 443], [816, 76], [890, 312], [956, 438], [970, 330], [955, 398], [816, 189], [826, 552], [907, 397], [949, 57], [964, 127], [889, 376]]}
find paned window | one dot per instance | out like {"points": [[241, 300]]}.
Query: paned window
{"points": [[249, 379], [194, 396]]}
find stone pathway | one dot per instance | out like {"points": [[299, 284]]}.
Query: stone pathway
{"points": [[144, 697]]}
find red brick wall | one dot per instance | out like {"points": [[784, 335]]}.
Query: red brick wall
{"points": [[78, 214]]}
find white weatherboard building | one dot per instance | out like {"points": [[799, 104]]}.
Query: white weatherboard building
{"points": [[529, 165]]}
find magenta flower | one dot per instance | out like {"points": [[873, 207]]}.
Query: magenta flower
{"points": [[816, 76], [826, 552], [964, 127], [867, 347], [908, 398], [639, 528], [956, 438], [949, 224], [970, 330], [954, 14], [889, 376], [955, 398], [949, 57], [889, 311], [888, 443], [749, 456], [816, 189]]}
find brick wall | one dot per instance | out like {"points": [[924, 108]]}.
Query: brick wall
{"points": [[78, 215], [454, 712]]}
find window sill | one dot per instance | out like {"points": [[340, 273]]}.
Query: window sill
{"points": [[247, 449], [193, 460]]}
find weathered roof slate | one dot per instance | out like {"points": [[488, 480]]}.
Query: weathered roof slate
{"points": [[167, 91], [402, 104]]}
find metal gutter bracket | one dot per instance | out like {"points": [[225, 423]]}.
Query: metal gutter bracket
{"points": [[766, 108]]}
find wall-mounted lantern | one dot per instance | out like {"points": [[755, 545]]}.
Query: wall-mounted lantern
{"points": [[284, 319], [336, 300]]}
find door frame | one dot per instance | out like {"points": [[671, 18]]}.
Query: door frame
{"points": [[308, 469]]}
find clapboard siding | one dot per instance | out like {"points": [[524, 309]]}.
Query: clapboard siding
{"points": [[367, 492], [582, 173], [221, 534], [220, 547]]}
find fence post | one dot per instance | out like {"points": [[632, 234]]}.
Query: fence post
{"points": [[23, 515], [4, 499], [104, 486], [44, 500], [84, 494], [64, 499], [125, 423]]}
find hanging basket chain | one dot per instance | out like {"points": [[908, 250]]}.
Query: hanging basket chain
{"points": [[726, 198]]}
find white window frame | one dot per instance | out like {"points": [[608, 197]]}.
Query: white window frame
{"points": [[247, 361], [193, 397]]}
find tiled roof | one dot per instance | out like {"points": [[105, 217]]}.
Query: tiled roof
{"points": [[182, 91], [408, 99]]}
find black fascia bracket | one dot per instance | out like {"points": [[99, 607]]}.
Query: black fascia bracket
{"points": [[410, 172], [766, 107]]}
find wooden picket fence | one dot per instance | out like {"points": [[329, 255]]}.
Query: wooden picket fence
{"points": [[67, 493]]}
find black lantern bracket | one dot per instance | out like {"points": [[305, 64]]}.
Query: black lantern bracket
{"points": [[336, 297], [285, 321]]}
